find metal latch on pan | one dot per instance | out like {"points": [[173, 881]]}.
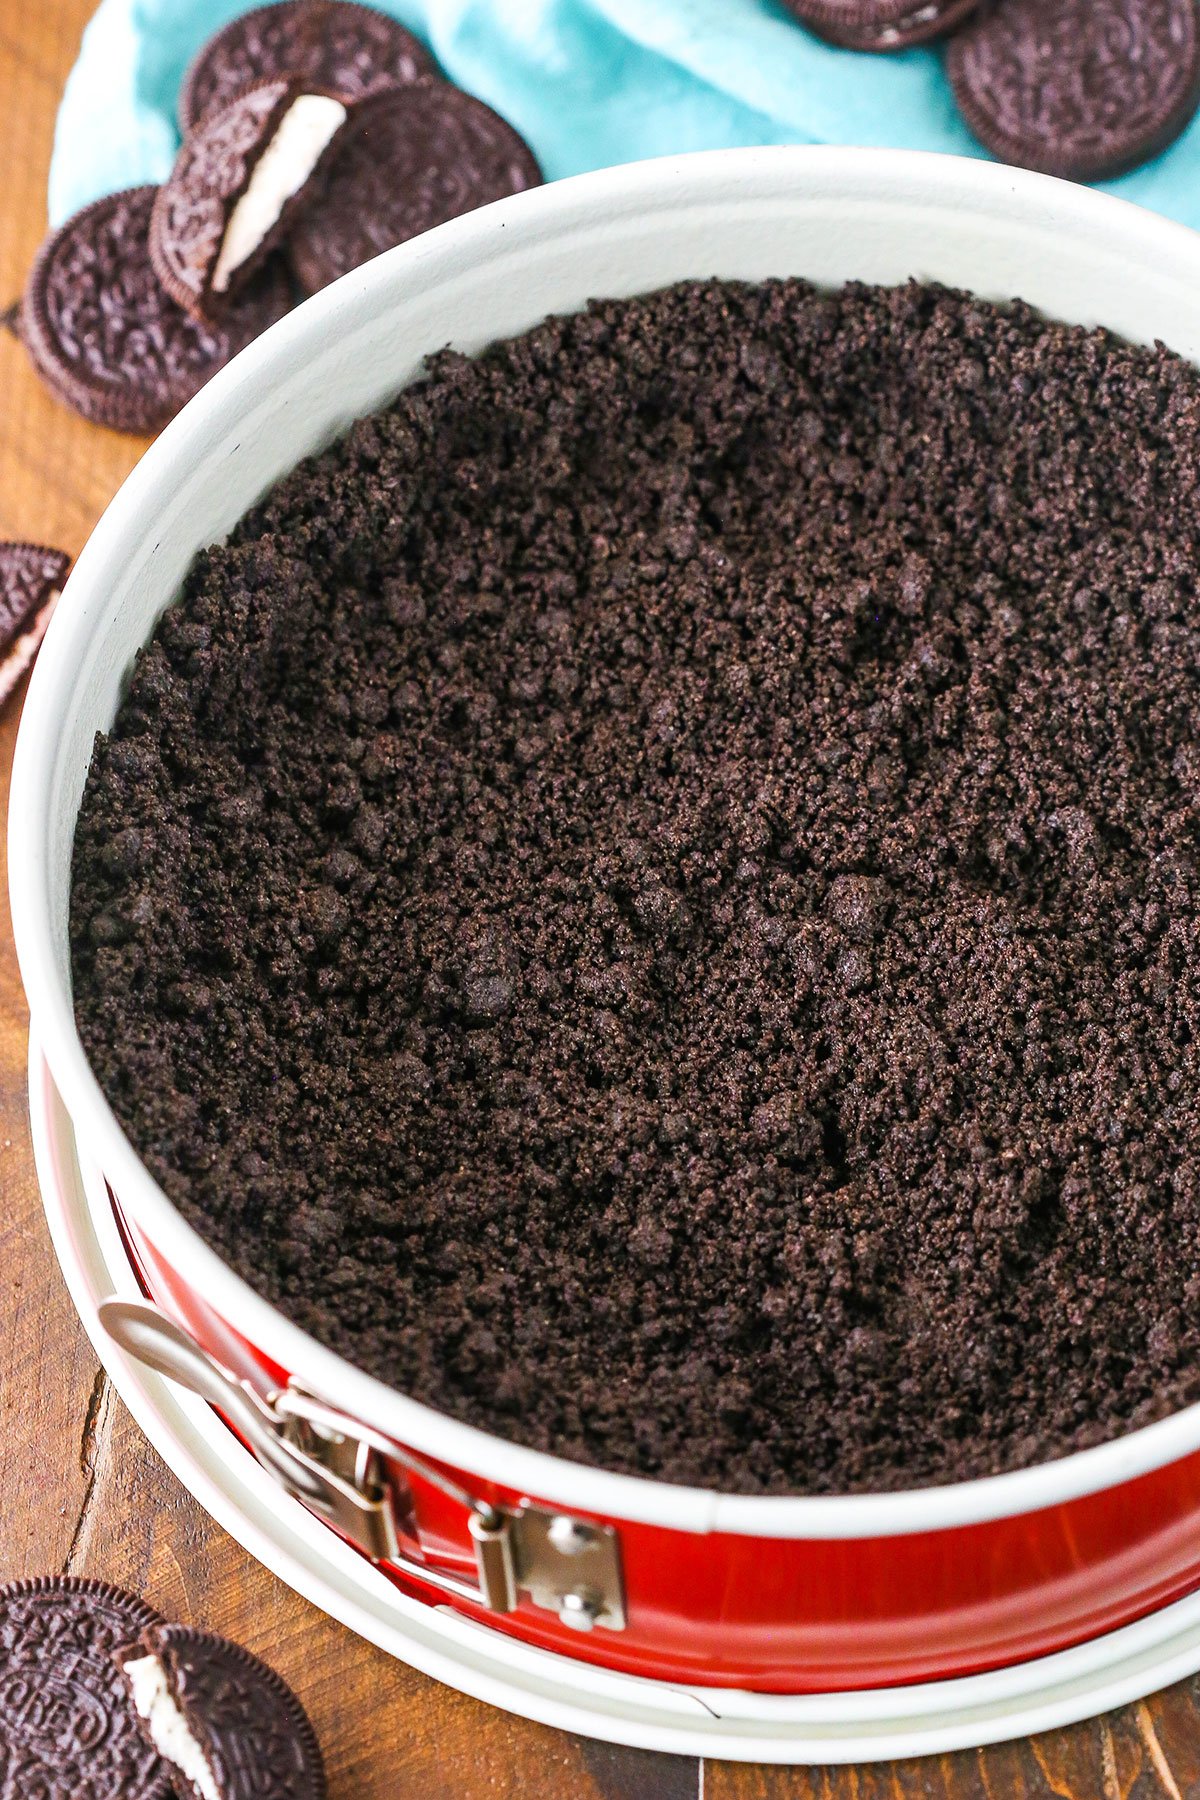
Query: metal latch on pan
{"points": [[335, 1466]]}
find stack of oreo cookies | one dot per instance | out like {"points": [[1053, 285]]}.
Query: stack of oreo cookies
{"points": [[317, 133], [1085, 89]]}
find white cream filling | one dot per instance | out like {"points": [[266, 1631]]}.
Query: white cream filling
{"points": [[284, 166], [169, 1730], [20, 654]]}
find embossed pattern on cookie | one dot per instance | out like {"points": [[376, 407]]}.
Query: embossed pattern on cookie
{"points": [[330, 44], [233, 1727], [1079, 88], [407, 161], [67, 1730], [105, 335], [31, 578], [237, 184]]}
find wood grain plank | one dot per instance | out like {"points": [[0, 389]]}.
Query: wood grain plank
{"points": [[1142, 1753], [40, 1418], [621, 1774]]}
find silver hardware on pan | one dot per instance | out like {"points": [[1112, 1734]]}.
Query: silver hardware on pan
{"points": [[333, 1464]]}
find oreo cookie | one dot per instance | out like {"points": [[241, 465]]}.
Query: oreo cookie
{"points": [[31, 578], [229, 1726], [105, 335], [332, 46], [406, 161], [1079, 88], [67, 1728], [235, 188], [878, 25]]}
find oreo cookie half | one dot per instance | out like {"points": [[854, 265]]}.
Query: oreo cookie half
{"points": [[67, 1728], [878, 25], [31, 578], [332, 46], [1080, 88], [229, 1726], [237, 184], [406, 161], [105, 335]]}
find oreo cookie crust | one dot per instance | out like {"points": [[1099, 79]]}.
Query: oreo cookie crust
{"points": [[1079, 88], [31, 577], [231, 1727], [332, 45], [406, 161], [107, 338], [877, 25], [237, 184], [67, 1728], [671, 849]]}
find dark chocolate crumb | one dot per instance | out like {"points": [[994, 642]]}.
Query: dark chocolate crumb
{"points": [[650, 894]]}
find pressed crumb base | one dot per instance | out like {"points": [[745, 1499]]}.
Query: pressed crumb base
{"points": [[649, 895]]}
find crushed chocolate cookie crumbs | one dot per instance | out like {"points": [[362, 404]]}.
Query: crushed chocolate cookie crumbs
{"points": [[650, 895]]}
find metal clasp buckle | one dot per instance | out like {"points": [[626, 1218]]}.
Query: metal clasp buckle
{"points": [[336, 1466]]}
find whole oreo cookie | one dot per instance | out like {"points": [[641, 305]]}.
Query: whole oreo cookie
{"points": [[407, 160], [67, 1729], [228, 1724], [332, 45], [881, 24], [1080, 88], [106, 336], [236, 185]]}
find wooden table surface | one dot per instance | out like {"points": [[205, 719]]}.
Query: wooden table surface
{"points": [[81, 1490]]}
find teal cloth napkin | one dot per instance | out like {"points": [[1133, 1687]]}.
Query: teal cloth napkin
{"points": [[587, 83]]}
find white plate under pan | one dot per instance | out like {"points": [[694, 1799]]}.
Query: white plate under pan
{"points": [[869, 1725]]}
